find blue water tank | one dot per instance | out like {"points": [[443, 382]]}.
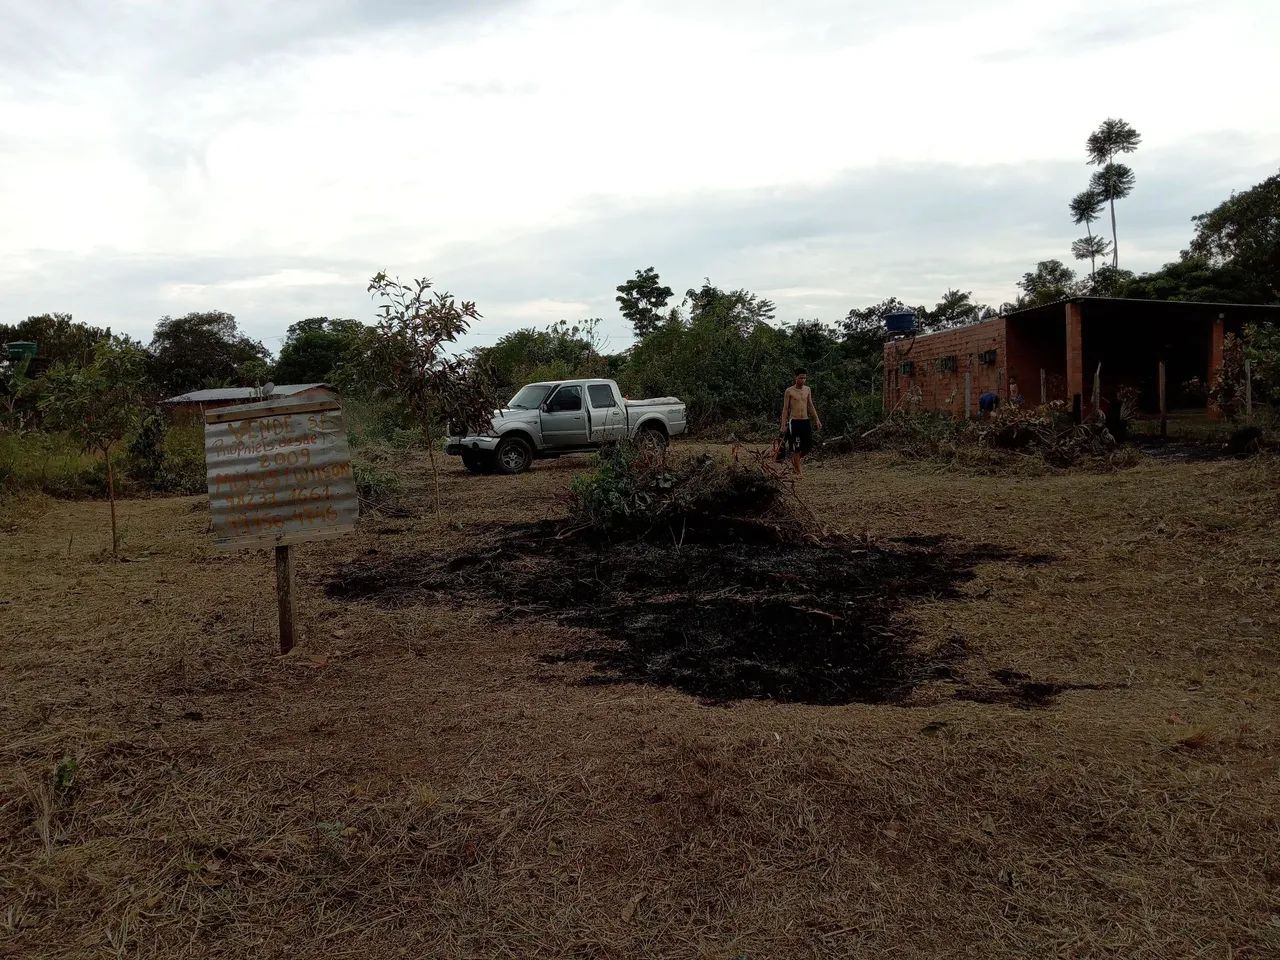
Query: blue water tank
{"points": [[903, 321]]}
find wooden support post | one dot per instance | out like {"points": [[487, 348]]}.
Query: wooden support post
{"points": [[1164, 406], [284, 595], [968, 394], [1096, 399], [1248, 391], [1044, 388]]}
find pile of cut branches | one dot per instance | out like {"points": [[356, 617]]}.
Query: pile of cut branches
{"points": [[640, 493], [1048, 431]]}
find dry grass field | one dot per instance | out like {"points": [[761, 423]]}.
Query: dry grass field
{"points": [[1094, 774]]}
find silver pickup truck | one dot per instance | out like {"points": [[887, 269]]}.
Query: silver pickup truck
{"points": [[565, 416]]}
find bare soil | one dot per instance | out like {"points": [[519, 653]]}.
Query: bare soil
{"points": [[1048, 728]]}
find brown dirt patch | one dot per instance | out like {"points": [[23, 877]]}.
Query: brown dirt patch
{"points": [[415, 781]]}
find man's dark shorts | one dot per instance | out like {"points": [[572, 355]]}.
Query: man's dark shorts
{"points": [[800, 436]]}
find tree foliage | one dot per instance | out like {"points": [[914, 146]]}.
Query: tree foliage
{"points": [[99, 402], [1113, 181], [1091, 248], [1195, 278], [409, 361], [1052, 280], [316, 349], [955, 309], [732, 309], [205, 350], [558, 352], [59, 338], [1086, 207], [1244, 232], [642, 299]]}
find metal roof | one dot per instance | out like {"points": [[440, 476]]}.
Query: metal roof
{"points": [[218, 394], [1132, 300]]}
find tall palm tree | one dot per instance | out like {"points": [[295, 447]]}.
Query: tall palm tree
{"points": [[1114, 181], [1090, 248], [1085, 207]]}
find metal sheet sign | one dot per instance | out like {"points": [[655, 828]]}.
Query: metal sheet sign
{"points": [[279, 473]]}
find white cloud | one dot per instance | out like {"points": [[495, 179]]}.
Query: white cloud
{"points": [[304, 145]]}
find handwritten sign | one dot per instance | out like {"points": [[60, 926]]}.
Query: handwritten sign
{"points": [[279, 473]]}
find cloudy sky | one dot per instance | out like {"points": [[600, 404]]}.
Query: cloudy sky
{"points": [[163, 156]]}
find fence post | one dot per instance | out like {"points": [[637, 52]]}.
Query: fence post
{"points": [[284, 595], [1164, 407], [1248, 391]]}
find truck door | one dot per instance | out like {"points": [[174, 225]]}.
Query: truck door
{"points": [[564, 418], [608, 420]]}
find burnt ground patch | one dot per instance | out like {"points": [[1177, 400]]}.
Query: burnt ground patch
{"points": [[737, 616]]}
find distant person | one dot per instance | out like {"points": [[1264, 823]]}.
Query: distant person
{"points": [[1015, 395], [987, 403], [799, 417]]}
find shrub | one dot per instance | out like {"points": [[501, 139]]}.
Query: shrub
{"points": [[49, 462], [168, 459], [375, 469], [636, 492]]}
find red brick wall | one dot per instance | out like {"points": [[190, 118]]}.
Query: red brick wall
{"points": [[1036, 344], [929, 388]]}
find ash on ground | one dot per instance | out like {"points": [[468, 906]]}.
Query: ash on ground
{"points": [[721, 618]]}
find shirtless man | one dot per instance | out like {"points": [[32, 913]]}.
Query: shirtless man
{"points": [[797, 409]]}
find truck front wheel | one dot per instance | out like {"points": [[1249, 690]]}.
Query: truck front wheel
{"points": [[513, 455]]}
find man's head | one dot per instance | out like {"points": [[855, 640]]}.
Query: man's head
{"points": [[801, 376]]}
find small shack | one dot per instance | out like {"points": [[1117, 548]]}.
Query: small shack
{"points": [[191, 407], [1067, 349]]}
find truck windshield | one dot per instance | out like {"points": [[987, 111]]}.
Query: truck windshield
{"points": [[530, 397]]}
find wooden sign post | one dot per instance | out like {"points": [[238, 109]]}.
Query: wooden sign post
{"points": [[279, 474]]}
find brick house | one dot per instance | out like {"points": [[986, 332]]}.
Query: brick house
{"points": [[1055, 351]]}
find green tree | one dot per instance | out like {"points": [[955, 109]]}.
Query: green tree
{"points": [[737, 309], [955, 309], [1110, 281], [411, 362], [204, 350], [1262, 345], [1114, 181], [1244, 232], [869, 321], [1052, 280], [315, 349], [58, 337], [1085, 208], [14, 385], [100, 403], [642, 299], [558, 352], [1197, 278]]}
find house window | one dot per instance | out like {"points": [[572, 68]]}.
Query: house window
{"points": [[987, 358], [907, 368], [947, 364]]}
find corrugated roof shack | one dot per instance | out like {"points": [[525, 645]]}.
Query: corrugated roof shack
{"points": [[1053, 352], [191, 407]]}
